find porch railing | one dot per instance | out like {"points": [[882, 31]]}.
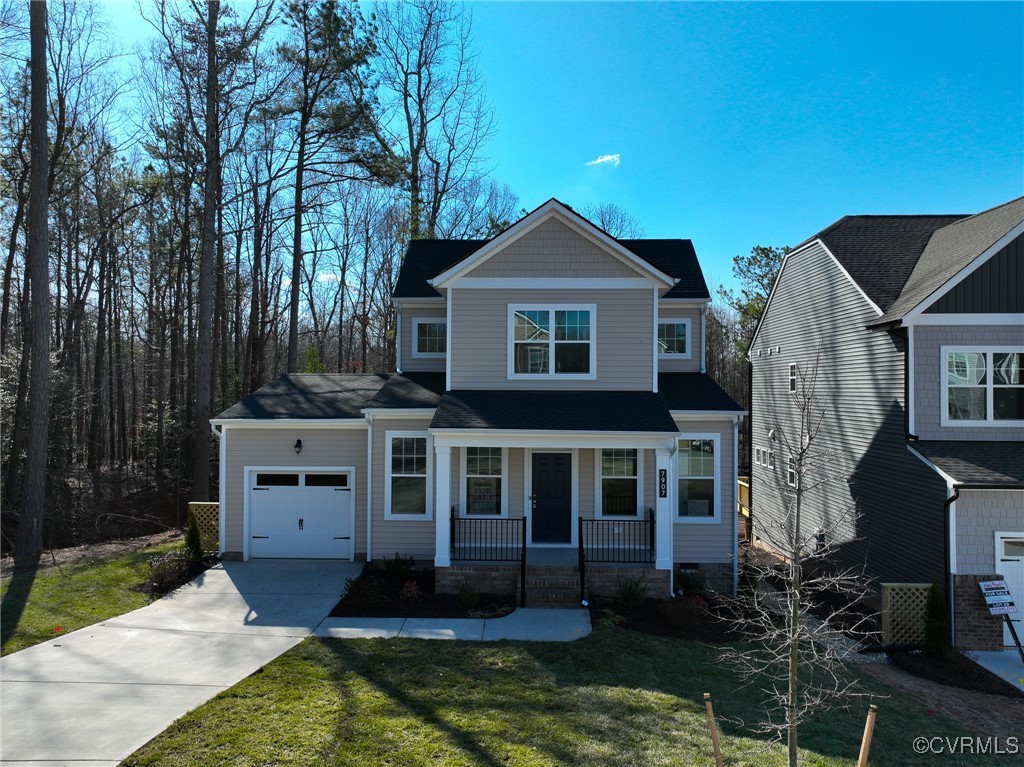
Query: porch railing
{"points": [[483, 539], [615, 541]]}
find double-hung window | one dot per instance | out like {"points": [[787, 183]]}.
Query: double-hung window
{"points": [[619, 474], [483, 482], [407, 489], [698, 477], [674, 338], [552, 341], [983, 387], [430, 338]]}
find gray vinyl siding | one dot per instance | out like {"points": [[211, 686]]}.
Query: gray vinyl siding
{"points": [[691, 365], [479, 337], [409, 314], [930, 375], [553, 250], [275, 447], [408, 537], [708, 542], [995, 286], [980, 514], [899, 535]]}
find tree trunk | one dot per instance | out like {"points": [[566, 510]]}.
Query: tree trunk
{"points": [[293, 310], [30, 529], [204, 320]]}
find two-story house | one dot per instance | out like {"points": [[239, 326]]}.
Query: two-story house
{"points": [[550, 405], [916, 326]]}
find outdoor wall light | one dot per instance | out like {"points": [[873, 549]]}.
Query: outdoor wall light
{"points": [[298, 446]]}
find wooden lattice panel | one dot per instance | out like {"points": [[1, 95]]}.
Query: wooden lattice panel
{"points": [[208, 518], [904, 607]]}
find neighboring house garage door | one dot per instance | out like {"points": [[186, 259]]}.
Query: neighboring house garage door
{"points": [[300, 514]]}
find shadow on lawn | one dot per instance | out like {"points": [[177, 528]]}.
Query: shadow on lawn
{"points": [[16, 598]]}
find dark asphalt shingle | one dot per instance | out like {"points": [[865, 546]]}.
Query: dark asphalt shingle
{"points": [[694, 391], [976, 462], [309, 395], [410, 390]]}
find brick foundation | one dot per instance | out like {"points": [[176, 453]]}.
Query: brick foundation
{"points": [[604, 581], [976, 629], [717, 576], [504, 579], [487, 579], [231, 556]]}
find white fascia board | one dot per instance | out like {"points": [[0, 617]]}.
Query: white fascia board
{"points": [[552, 439], [432, 302], [957, 320], [949, 284], [378, 413], [291, 423], [551, 209], [681, 302], [694, 415], [948, 479], [550, 283]]}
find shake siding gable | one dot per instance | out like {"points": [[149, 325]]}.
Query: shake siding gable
{"points": [[980, 514], [553, 250], [817, 312], [479, 337], [275, 447]]}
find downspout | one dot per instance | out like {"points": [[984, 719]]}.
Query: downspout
{"points": [[750, 449], [908, 391], [735, 511], [398, 339], [369, 487], [222, 471], [703, 339], [949, 523]]}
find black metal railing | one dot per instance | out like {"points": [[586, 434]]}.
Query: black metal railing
{"points": [[490, 539], [615, 541]]}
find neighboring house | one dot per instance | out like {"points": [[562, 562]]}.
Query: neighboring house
{"points": [[550, 389], [917, 326]]}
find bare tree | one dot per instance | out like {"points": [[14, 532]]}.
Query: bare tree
{"points": [[615, 220], [30, 528], [799, 629]]}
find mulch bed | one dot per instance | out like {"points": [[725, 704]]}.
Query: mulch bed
{"points": [[377, 594], [953, 670], [173, 574], [700, 619]]}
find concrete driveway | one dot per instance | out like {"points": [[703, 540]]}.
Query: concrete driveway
{"points": [[94, 696]]}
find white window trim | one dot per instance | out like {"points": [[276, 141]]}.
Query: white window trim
{"points": [[416, 353], [388, 437], [990, 422], [551, 375], [771, 460], [463, 498], [689, 337], [598, 496], [793, 374], [717, 518], [791, 472]]}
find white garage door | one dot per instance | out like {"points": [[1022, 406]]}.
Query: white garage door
{"points": [[303, 514], [1010, 562]]}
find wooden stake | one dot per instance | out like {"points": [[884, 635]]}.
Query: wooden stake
{"points": [[869, 729], [714, 730]]}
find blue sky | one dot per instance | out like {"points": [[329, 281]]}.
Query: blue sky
{"points": [[738, 124]]}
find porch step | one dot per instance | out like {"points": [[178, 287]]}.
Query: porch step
{"points": [[552, 586]]}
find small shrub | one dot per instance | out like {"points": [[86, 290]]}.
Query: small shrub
{"points": [[469, 595], [936, 623], [361, 594], [193, 539], [630, 592], [610, 618], [682, 611], [410, 592], [170, 570], [398, 568], [689, 582]]}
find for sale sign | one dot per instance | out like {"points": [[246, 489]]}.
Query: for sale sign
{"points": [[997, 597]]}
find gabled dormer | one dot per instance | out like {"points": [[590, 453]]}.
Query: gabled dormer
{"points": [[553, 302]]}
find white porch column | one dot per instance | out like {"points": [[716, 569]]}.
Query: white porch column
{"points": [[442, 506], [663, 509]]}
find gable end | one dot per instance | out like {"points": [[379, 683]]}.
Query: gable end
{"points": [[995, 287]]}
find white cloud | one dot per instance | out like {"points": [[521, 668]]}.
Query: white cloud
{"points": [[328, 277], [606, 159]]}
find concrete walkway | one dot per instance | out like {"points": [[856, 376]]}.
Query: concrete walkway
{"points": [[1006, 664], [525, 624], [94, 696]]}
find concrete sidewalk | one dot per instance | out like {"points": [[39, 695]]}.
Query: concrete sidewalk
{"points": [[96, 695], [1006, 664], [525, 624]]}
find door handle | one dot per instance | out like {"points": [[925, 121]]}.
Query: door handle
{"points": [[300, 523]]}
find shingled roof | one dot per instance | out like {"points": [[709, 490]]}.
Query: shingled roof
{"points": [[308, 395], [977, 463]]}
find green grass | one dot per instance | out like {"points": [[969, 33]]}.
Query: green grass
{"points": [[614, 698], [37, 602]]}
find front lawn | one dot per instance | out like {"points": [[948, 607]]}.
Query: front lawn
{"points": [[37, 604], [617, 697]]}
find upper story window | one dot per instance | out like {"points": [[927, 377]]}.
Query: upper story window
{"points": [[674, 338], [430, 338], [792, 378], [984, 387], [552, 341]]}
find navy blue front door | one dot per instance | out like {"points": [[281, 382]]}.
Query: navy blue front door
{"points": [[551, 520]]}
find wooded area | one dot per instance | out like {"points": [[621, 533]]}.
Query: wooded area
{"points": [[229, 201]]}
